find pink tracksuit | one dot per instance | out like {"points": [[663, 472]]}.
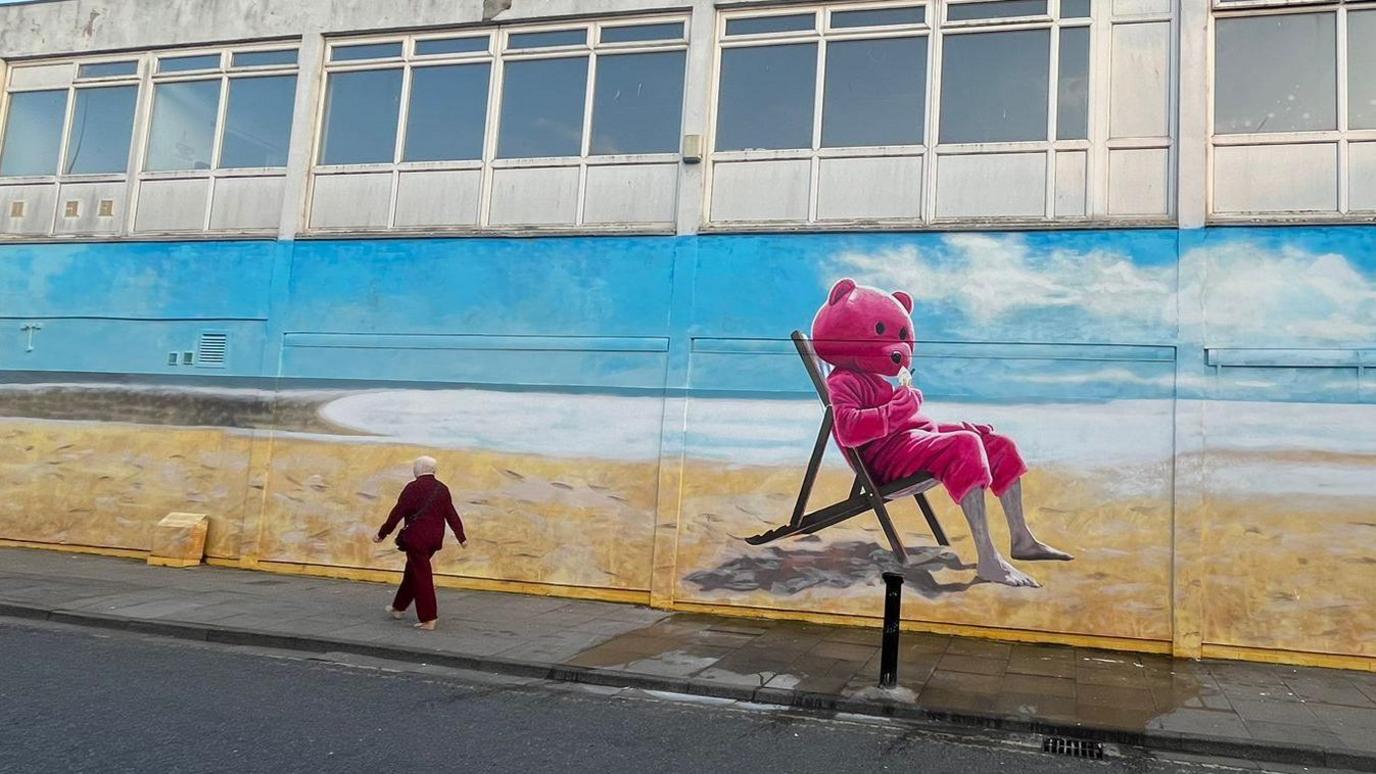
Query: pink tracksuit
{"points": [[895, 439]]}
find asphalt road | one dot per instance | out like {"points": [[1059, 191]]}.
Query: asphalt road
{"points": [[79, 700]]}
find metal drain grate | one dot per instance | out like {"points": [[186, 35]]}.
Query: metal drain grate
{"points": [[1072, 748]]}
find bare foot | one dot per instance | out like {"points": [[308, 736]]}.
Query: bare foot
{"points": [[1000, 571], [1034, 550], [393, 612], [426, 626]]}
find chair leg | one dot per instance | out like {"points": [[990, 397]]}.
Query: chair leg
{"points": [[886, 523], [813, 465], [930, 516]]}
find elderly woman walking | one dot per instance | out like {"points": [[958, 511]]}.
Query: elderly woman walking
{"points": [[425, 505]]}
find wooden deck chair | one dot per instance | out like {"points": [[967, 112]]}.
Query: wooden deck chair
{"points": [[864, 494]]}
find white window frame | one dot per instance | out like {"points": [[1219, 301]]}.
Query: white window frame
{"points": [[496, 55], [1342, 136], [935, 29], [144, 78], [224, 73], [73, 86]]}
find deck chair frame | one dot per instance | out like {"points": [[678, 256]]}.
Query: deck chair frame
{"points": [[865, 495]]}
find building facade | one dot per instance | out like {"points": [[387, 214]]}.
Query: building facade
{"points": [[255, 256]]}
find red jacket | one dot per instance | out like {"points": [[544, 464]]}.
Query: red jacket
{"points": [[426, 531]]}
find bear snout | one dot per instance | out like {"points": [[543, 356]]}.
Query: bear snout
{"points": [[896, 357]]}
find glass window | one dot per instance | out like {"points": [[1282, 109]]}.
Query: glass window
{"points": [[1072, 88], [107, 69], [542, 107], [760, 25], [451, 46], [361, 110], [1361, 70], [365, 51], [177, 64], [638, 103], [548, 39], [766, 97], [998, 9], [102, 126], [1075, 9], [183, 130], [258, 122], [671, 31], [33, 133], [264, 58], [878, 17], [994, 86], [874, 92], [1276, 74], [447, 113]]}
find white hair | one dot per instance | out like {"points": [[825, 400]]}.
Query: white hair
{"points": [[424, 466]]}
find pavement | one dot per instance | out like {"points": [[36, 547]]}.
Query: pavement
{"points": [[1289, 715], [77, 700]]}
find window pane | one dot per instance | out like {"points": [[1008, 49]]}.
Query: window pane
{"points": [[33, 133], [542, 108], [451, 46], [994, 86], [365, 51], [1276, 74], [177, 64], [264, 58], [258, 122], [448, 113], [183, 125], [102, 125], [766, 97], [107, 69], [672, 31], [1072, 91], [874, 92], [361, 112], [879, 17], [548, 39], [1000, 9], [1075, 9], [638, 105], [1361, 70], [763, 24]]}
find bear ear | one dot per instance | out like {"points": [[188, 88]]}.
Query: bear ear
{"points": [[904, 299], [841, 289]]}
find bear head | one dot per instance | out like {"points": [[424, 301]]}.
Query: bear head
{"points": [[865, 329]]}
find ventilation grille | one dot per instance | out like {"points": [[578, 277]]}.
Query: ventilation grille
{"points": [[211, 350], [1072, 748]]}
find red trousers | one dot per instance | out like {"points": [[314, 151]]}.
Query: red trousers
{"points": [[418, 583]]}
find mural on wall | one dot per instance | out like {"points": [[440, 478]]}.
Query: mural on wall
{"points": [[579, 392]]}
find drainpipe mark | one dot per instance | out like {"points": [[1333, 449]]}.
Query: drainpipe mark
{"points": [[90, 28], [493, 7]]}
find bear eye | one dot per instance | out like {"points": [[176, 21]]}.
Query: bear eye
{"points": [[879, 328], [903, 333]]}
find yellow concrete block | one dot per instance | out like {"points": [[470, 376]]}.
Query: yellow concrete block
{"points": [[179, 540]]}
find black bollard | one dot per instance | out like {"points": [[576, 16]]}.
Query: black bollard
{"points": [[888, 653]]}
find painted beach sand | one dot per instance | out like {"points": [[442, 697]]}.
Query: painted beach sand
{"points": [[554, 507]]}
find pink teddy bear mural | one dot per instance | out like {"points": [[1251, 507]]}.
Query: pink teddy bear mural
{"points": [[867, 335]]}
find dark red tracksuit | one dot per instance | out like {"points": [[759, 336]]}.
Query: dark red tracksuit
{"points": [[424, 536]]}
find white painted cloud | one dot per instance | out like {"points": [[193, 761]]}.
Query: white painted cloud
{"points": [[1285, 297], [990, 277]]}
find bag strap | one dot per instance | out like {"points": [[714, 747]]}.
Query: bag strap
{"points": [[435, 490]]}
